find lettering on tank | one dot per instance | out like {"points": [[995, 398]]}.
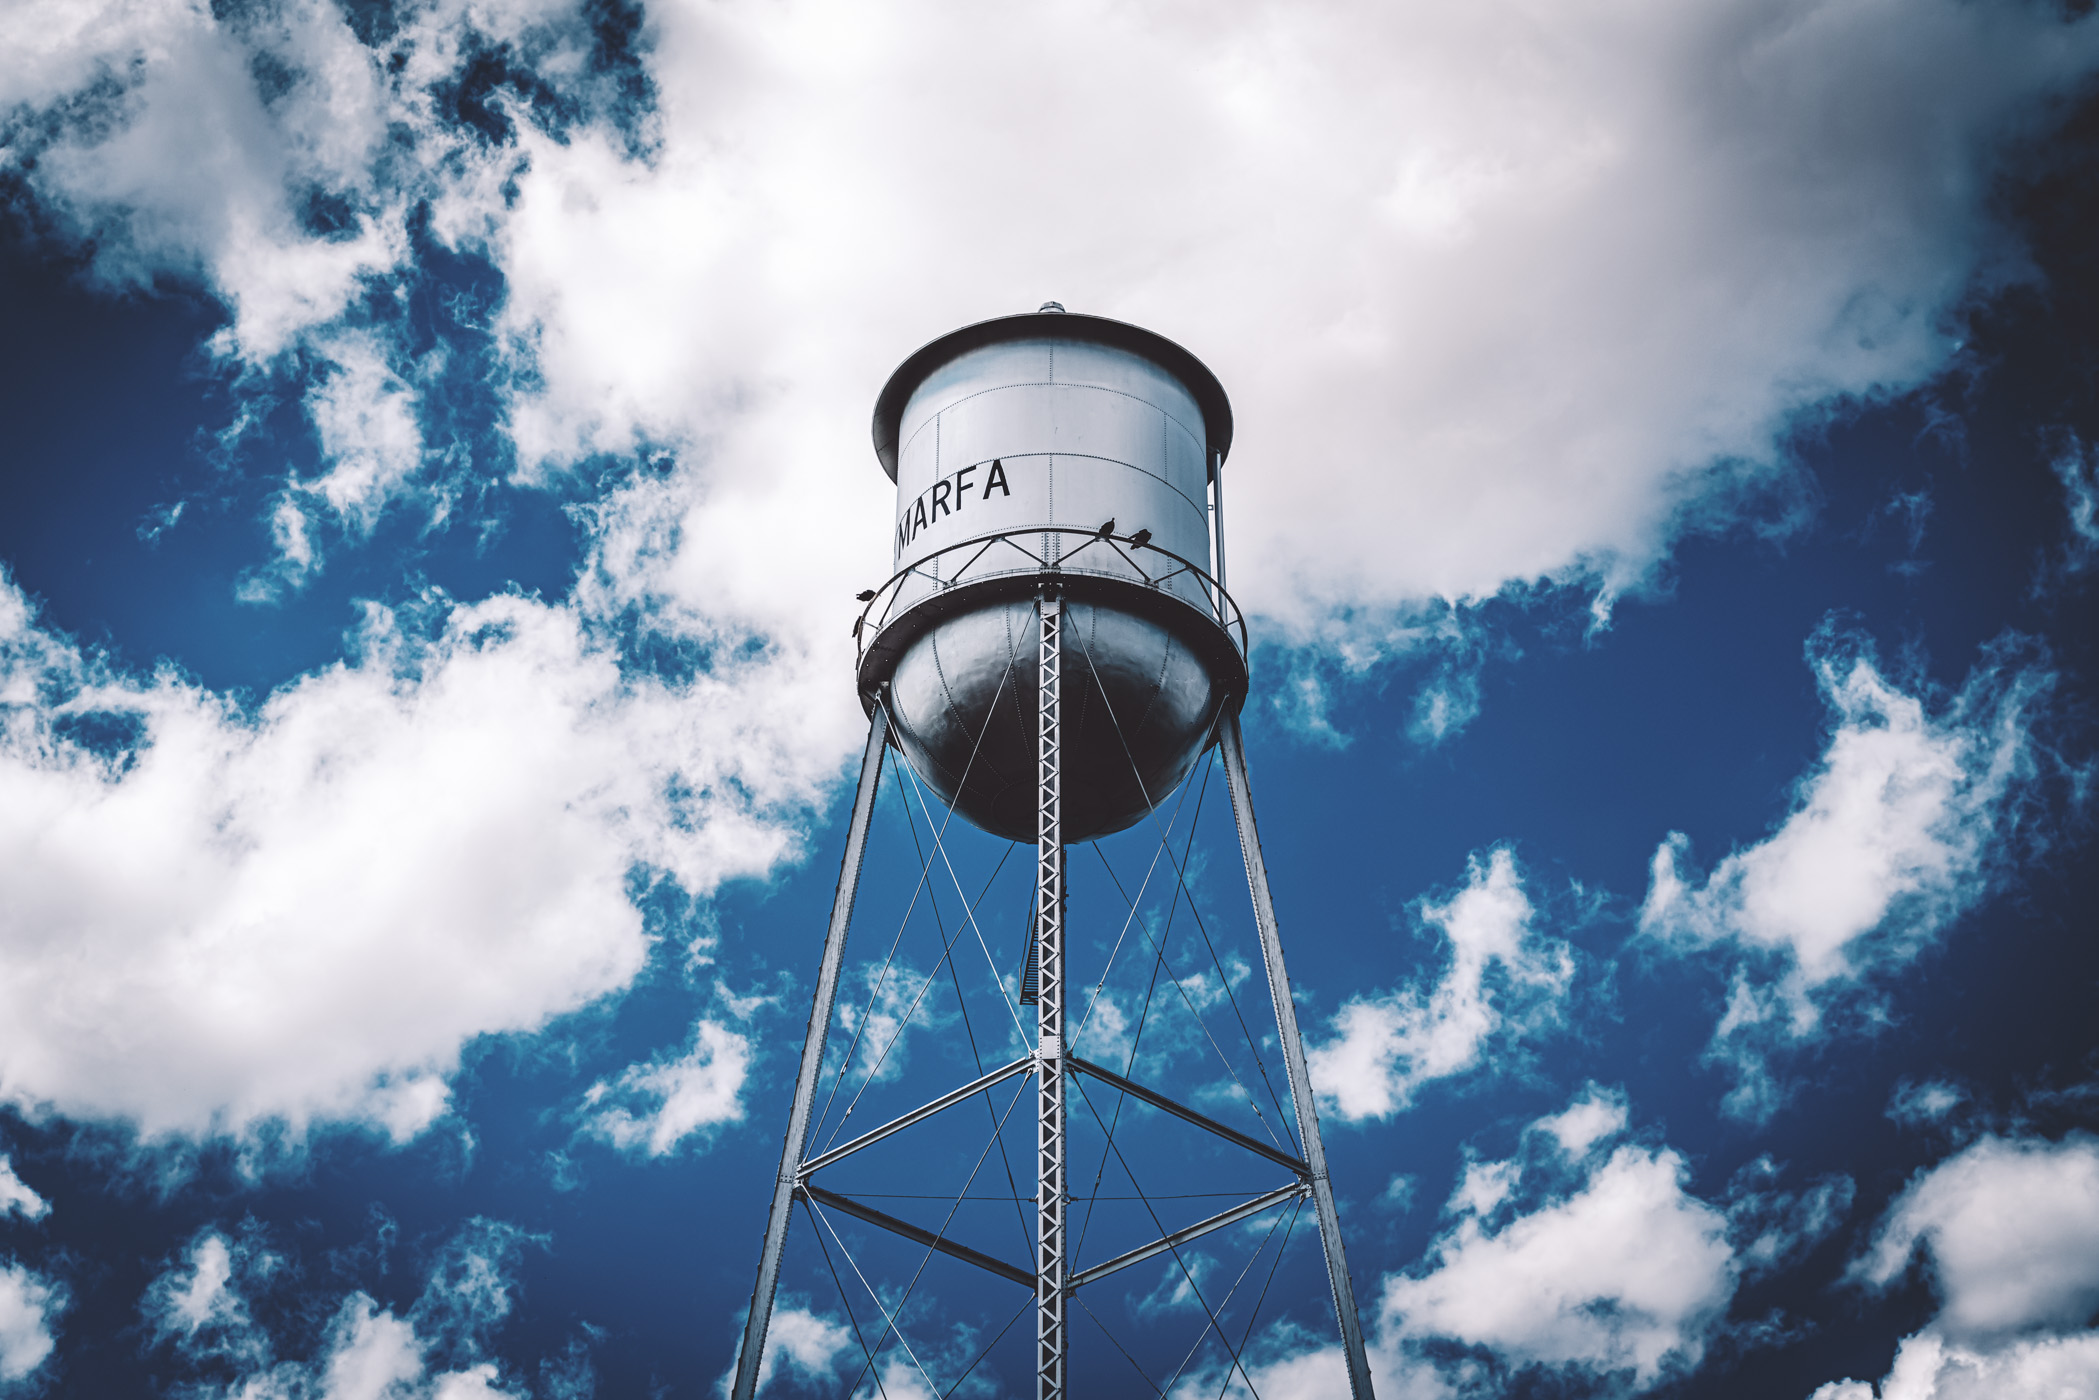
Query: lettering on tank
{"points": [[950, 495]]}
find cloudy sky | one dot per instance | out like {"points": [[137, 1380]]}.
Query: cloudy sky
{"points": [[435, 481]]}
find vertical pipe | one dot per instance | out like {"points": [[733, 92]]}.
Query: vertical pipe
{"points": [[1217, 524], [760, 1316], [1234, 750], [1050, 1255]]}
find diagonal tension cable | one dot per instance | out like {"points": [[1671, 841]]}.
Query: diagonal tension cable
{"points": [[918, 998], [1144, 1014], [1181, 883], [1180, 875], [969, 1030], [844, 1301], [901, 1339], [1247, 1335], [1245, 1269], [924, 874], [1194, 1288], [917, 785], [1100, 987], [1116, 1342], [1189, 1002], [934, 1248], [1025, 1304]]}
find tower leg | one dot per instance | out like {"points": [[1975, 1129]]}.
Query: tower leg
{"points": [[1050, 1255], [760, 1317], [1234, 751]]}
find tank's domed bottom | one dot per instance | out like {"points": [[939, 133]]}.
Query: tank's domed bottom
{"points": [[1138, 709]]}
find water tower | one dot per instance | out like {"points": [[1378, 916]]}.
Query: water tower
{"points": [[1053, 652]]}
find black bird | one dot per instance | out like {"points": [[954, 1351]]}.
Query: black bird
{"points": [[1107, 529], [865, 595], [1141, 538]]}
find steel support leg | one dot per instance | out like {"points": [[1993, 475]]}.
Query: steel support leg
{"points": [[760, 1317], [1050, 1253], [1234, 750]]}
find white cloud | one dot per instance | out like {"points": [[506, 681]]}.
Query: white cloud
{"points": [[1628, 1273], [1288, 1365], [271, 156], [194, 154], [2011, 1227], [370, 1354], [1483, 1187], [1596, 1265], [29, 1303], [2074, 468], [366, 1351], [203, 1297], [16, 1196], [1928, 1367], [1913, 1104], [1445, 705], [365, 416], [1597, 1116], [654, 1106], [1393, 200], [201, 1304], [1503, 979], [1302, 704], [875, 1031], [1772, 1228], [818, 1350], [809, 1344], [1889, 840], [1174, 1291], [1398, 1194], [1532, 292], [306, 909], [266, 151]]}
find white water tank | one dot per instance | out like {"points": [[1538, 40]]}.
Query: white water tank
{"points": [[1061, 452]]}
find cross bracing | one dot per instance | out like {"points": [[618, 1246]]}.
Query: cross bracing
{"points": [[1118, 984]]}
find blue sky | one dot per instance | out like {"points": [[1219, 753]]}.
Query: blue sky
{"points": [[436, 485]]}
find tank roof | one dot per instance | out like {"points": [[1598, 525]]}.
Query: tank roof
{"points": [[1064, 325]]}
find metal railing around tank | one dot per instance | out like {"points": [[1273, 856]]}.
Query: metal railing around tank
{"points": [[882, 604]]}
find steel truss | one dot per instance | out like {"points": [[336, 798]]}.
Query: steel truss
{"points": [[1053, 1069], [1050, 1069]]}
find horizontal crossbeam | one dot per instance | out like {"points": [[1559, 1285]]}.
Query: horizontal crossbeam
{"points": [[1193, 1232], [1182, 1111], [917, 1234], [918, 1115]]}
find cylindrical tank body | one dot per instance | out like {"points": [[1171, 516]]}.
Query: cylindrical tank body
{"points": [[1014, 445]]}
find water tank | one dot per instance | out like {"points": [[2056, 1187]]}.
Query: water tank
{"points": [[1014, 444]]}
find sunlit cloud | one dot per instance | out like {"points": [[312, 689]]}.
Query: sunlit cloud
{"points": [[2008, 1230], [203, 1307], [1503, 981], [229, 919], [1891, 838]]}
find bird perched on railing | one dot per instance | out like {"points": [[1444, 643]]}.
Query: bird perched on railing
{"points": [[1107, 529], [1141, 538], [865, 595]]}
